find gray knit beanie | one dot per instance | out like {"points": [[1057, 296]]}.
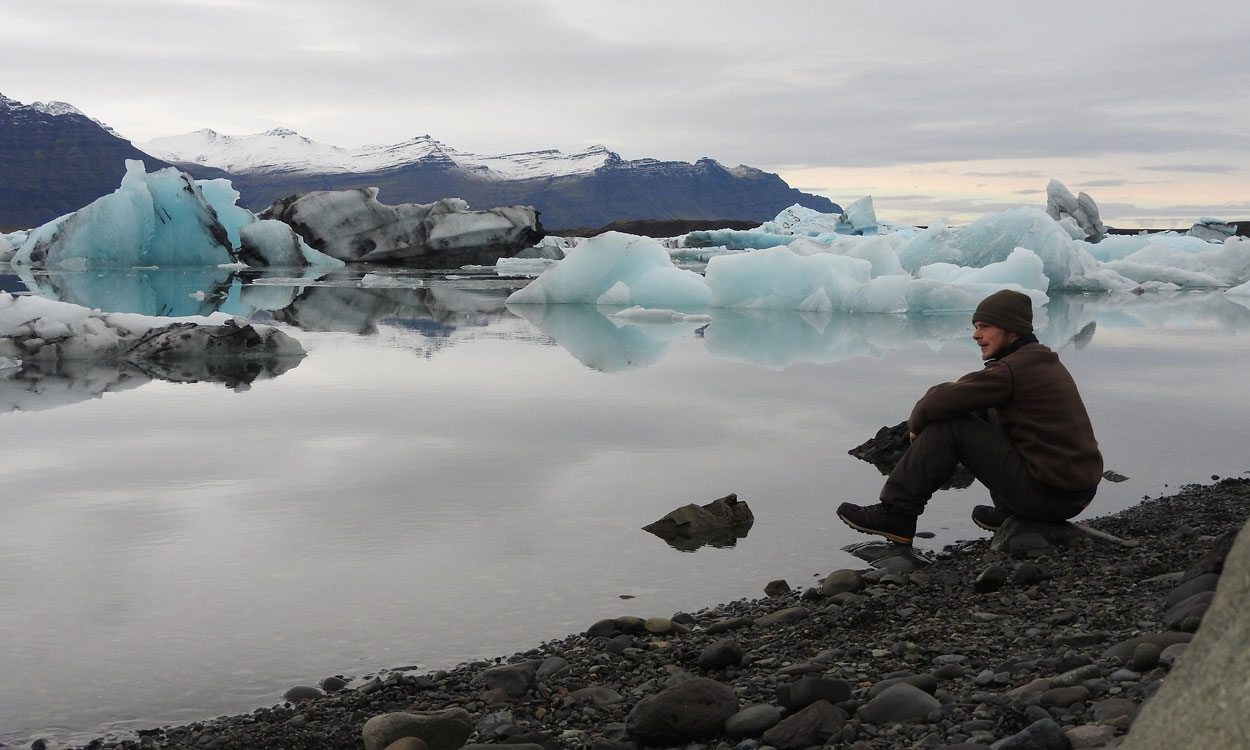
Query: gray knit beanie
{"points": [[1007, 309]]}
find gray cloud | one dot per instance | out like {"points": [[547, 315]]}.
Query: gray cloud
{"points": [[784, 85]]}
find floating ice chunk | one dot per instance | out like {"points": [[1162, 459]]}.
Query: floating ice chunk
{"points": [[619, 269], [1081, 209], [1212, 229], [861, 216], [7, 249], [377, 281], [803, 222], [518, 266], [657, 316], [40, 330], [1241, 290], [1179, 260], [734, 239]]}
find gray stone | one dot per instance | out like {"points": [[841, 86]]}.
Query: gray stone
{"points": [[1044, 734], [443, 730], [1170, 654], [779, 587], [807, 690], [899, 703], [302, 693], [694, 709], [752, 721], [925, 682], [786, 616], [1089, 736], [1114, 709], [1076, 676], [596, 696], [1203, 702], [1145, 657], [1195, 585], [840, 581], [1187, 615], [1020, 535], [1124, 649], [990, 579], [720, 523], [630, 624], [723, 653], [601, 629], [513, 680], [810, 727], [731, 623], [1062, 697], [551, 666]]}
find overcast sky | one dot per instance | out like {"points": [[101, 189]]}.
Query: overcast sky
{"points": [[936, 109]]}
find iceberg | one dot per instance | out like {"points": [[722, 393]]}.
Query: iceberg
{"points": [[352, 225], [617, 269], [160, 219], [1076, 211], [43, 332], [851, 263]]}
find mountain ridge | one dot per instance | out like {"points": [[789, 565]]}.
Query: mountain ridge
{"points": [[62, 160]]}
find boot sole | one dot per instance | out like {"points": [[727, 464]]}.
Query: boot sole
{"points": [[986, 526], [906, 540]]}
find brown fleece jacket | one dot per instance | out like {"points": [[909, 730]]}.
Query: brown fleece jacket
{"points": [[1036, 399]]}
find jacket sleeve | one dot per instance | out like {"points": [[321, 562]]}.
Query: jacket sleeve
{"points": [[976, 391]]}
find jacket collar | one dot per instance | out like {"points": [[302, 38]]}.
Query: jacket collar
{"points": [[1014, 346]]}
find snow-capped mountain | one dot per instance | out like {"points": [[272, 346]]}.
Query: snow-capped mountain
{"points": [[55, 159], [57, 109], [283, 150], [591, 188]]}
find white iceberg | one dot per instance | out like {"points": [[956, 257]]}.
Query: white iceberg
{"points": [[38, 330], [617, 269], [807, 261]]}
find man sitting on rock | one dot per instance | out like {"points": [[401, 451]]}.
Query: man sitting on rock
{"points": [[1018, 424]]}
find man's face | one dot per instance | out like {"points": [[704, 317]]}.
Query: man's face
{"points": [[991, 338]]}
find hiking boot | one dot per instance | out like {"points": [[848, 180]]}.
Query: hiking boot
{"points": [[879, 519], [989, 517]]}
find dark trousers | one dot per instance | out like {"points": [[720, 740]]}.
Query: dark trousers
{"points": [[986, 449]]}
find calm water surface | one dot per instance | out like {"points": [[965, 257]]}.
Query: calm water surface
{"points": [[443, 478]]}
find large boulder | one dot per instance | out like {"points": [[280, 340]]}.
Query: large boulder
{"points": [[1204, 702], [695, 709], [353, 226]]}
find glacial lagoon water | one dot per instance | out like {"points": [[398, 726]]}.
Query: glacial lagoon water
{"points": [[443, 478]]}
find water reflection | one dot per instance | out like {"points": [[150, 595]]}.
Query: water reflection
{"points": [[433, 305]]}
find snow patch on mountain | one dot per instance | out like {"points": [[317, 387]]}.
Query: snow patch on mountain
{"points": [[283, 150], [55, 109]]}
